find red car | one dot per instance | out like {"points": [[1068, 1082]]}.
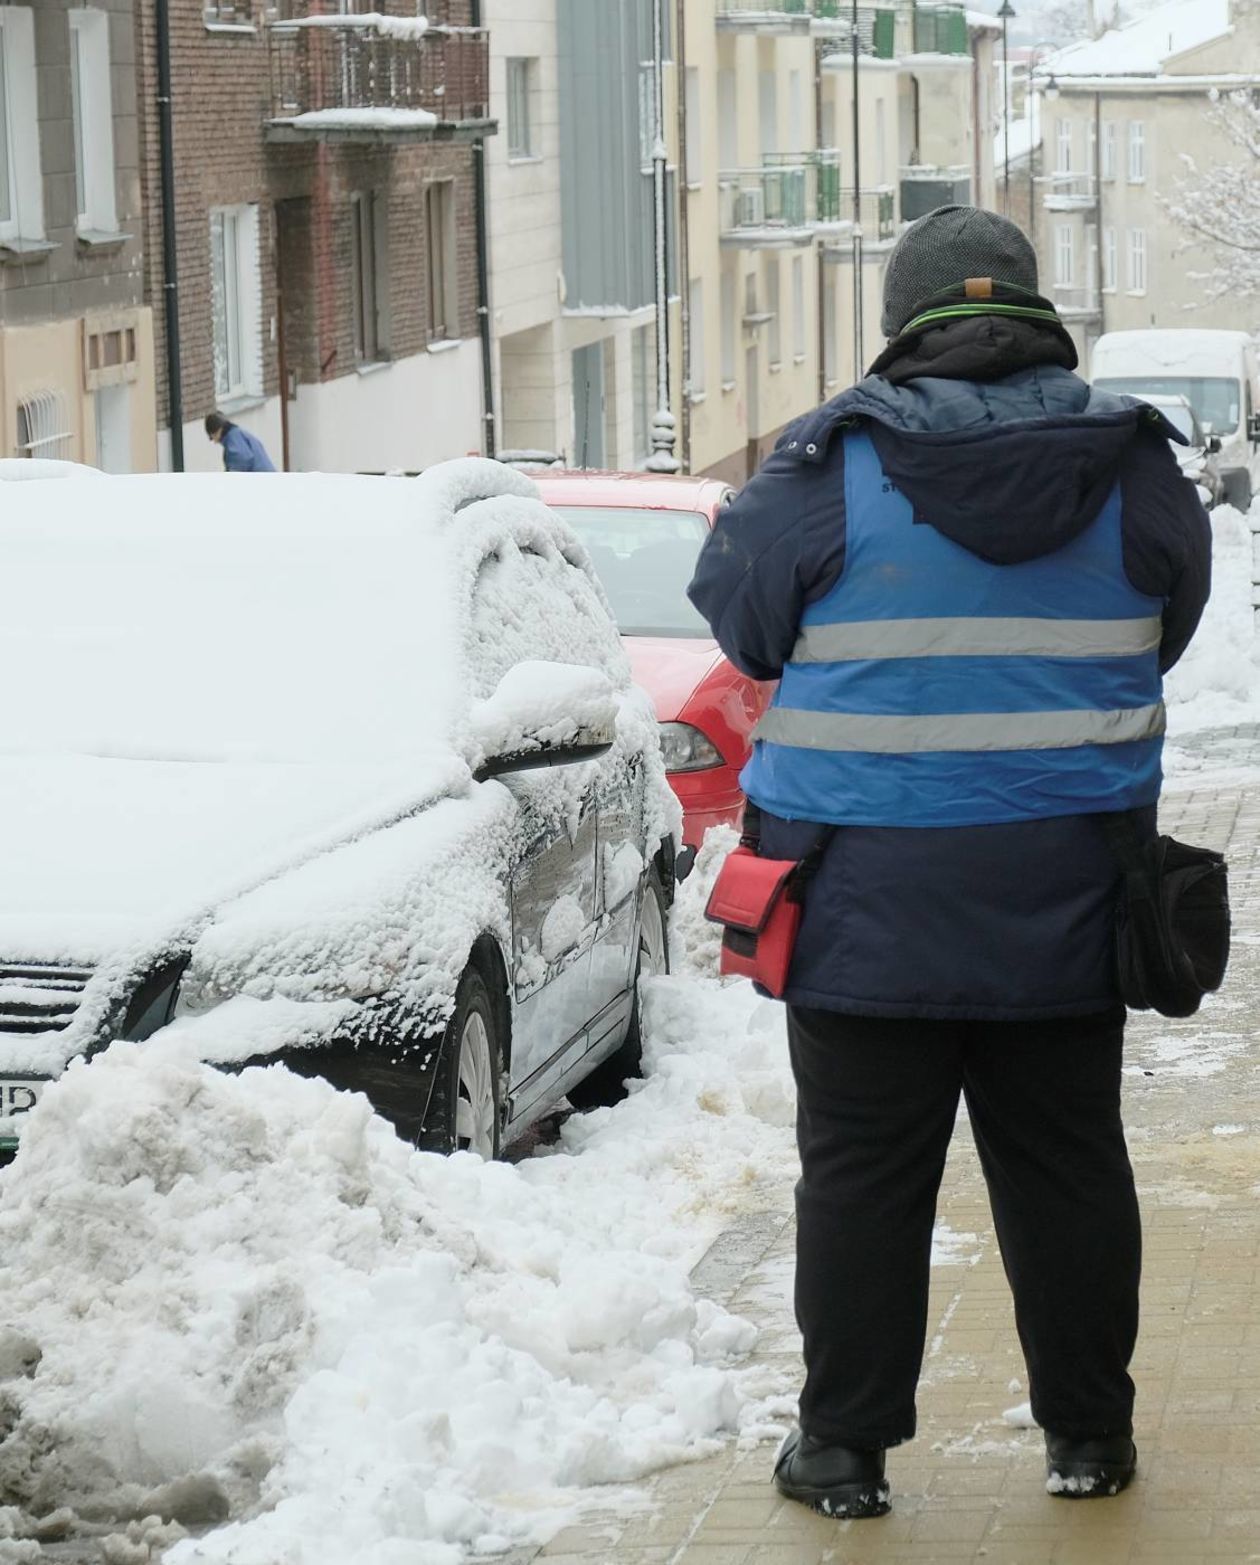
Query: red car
{"points": [[643, 533]]}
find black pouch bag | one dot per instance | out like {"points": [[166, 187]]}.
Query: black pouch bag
{"points": [[1172, 929]]}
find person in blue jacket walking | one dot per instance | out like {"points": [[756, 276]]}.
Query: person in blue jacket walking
{"points": [[969, 572], [242, 452]]}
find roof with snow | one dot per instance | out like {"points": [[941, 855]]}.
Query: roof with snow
{"points": [[1141, 47]]}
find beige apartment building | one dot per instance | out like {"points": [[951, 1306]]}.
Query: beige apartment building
{"points": [[1117, 113], [76, 340], [786, 250]]}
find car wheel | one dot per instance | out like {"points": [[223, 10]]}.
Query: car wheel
{"points": [[465, 1112], [606, 1083]]}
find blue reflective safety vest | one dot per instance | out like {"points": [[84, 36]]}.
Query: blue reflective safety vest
{"points": [[931, 687]]}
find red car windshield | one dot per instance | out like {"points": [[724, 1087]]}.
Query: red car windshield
{"points": [[645, 560]]}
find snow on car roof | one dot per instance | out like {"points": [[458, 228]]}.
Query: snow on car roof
{"points": [[206, 617], [1141, 47]]}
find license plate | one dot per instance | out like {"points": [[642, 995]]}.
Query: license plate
{"points": [[17, 1099]]}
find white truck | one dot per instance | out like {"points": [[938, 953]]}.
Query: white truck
{"points": [[1216, 372]]}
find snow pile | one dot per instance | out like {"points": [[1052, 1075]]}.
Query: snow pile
{"points": [[697, 942], [241, 1296], [1217, 682], [363, 119]]}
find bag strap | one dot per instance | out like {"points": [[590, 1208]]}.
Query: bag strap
{"points": [[750, 837]]}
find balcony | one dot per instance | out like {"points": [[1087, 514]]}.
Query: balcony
{"points": [[374, 78], [1076, 304], [1069, 193], [780, 204], [877, 209], [925, 186], [877, 31], [765, 16]]}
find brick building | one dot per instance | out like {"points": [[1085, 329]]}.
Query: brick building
{"points": [[76, 342], [326, 227]]}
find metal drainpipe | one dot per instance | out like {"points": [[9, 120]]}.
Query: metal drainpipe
{"points": [[170, 257], [684, 237], [662, 459], [858, 305], [484, 324], [1099, 271], [820, 248]]}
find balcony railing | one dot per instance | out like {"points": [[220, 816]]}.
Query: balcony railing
{"points": [[1075, 303], [784, 200], [940, 29], [877, 29], [878, 210], [376, 76], [925, 186], [1069, 192]]}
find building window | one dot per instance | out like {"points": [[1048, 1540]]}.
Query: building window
{"points": [[643, 370], [796, 113], [695, 306], [1109, 149], [21, 181], [728, 121], [1064, 256], [695, 145], [43, 427], [728, 329], [798, 308], [236, 302], [1137, 152], [1063, 146], [369, 214], [1091, 146], [439, 212], [768, 111], [647, 115], [1109, 260], [93, 117], [232, 13], [774, 310], [1137, 260], [829, 344], [519, 128]]}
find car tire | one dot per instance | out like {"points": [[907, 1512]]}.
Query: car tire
{"points": [[606, 1084], [466, 1109], [1237, 489]]}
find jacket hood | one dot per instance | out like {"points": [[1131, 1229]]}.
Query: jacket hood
{"points": [[1011, 468]]}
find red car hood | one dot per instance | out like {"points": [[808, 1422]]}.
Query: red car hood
{"points": [[671, 668]]}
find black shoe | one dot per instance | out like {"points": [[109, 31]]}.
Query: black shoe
{"points": [[833, 1479], [1089, 1469]]}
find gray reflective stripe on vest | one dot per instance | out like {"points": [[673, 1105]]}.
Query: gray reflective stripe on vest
{"points": [[973, 637], [957, 730]]}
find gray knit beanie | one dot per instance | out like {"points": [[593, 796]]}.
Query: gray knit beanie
{"points": [[945, 248]]}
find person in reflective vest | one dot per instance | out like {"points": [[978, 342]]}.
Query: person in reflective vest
{"points": [[968, 573]]}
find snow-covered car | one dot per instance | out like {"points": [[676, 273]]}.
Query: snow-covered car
{"points": [[347, 772], [1200, 460]]}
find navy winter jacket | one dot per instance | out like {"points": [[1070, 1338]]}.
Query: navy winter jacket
{"points": [[244, 453], [1006, 921]]}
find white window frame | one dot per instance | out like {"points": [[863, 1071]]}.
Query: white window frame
{"points": [[441, 262], [19, 143], [728, 369], [1064, 255], [1063, 145], [1108, 149], [92, 111], [695, 128], [236, 304], [1111, 260], [520, 121], [774, 308], [369, 215], [798, 309], [1137, 275], [695, 308], [1137, 152]]}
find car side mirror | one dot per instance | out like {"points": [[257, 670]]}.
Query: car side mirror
{"points": [[1214, 444], [1253, 429], [543, 714]]}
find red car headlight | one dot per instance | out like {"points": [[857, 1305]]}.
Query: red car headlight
{"points": [[686, 749]]}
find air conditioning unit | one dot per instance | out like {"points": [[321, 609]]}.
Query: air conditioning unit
{"points": [[750, 208]]}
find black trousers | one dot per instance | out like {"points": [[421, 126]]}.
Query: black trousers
{"points": [[877, 1099]]}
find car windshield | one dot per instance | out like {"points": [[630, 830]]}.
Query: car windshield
{"points": [[644, 559], [1181, 418], [1215, 400]]}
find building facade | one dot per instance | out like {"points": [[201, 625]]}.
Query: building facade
{"points": [[326, 226], [76, 338], [1116, 115]]}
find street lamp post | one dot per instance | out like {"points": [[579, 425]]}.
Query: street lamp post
{"points": [[1006, 13]]}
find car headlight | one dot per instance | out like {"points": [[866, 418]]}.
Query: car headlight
{"points": [[686, 749]]}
